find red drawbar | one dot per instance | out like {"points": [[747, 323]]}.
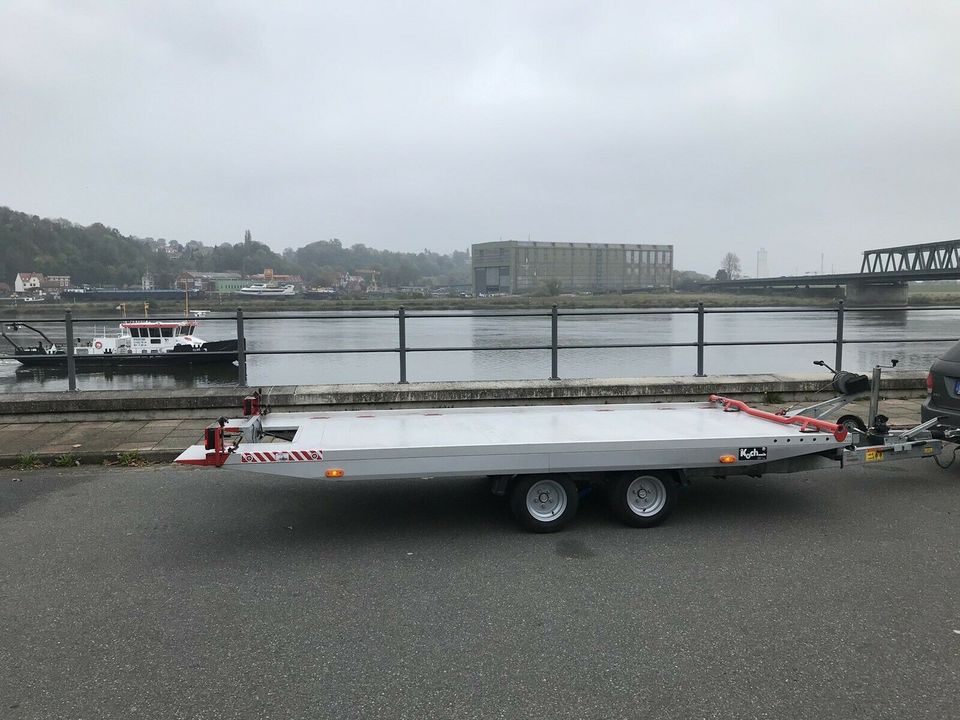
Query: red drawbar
{"points": [[805, 423]]}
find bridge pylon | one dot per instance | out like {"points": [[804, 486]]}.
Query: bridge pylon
{"points": [[874, 293]]}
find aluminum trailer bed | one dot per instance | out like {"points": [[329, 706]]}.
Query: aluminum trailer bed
{"points": [[541, 454]]}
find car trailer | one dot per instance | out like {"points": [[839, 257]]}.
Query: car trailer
{"points": [[544, 457]]}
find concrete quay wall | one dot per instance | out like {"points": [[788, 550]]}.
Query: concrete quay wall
{"points": [[213, 402]]}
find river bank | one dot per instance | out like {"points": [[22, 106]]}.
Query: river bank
{"points": [[229, 303]]}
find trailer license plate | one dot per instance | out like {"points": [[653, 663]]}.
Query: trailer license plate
{"points": [[874, 456]]}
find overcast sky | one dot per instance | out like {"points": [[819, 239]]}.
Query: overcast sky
{"points": [[805, 127]]}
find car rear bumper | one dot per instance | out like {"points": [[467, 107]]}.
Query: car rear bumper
{"points": [[929, 412]]}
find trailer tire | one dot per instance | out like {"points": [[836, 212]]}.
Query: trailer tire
{"points": [[544, 503], [852, 422], [642, 498]]}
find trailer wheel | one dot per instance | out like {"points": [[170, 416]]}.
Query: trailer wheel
{"points": [[852, 422], [544, 503], [642, 498]]}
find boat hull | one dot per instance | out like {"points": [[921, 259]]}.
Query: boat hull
{"points": [[222, 352]]}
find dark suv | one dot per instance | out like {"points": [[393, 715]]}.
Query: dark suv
{"points": [[943, 386]]}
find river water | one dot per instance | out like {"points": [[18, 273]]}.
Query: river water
{"points": [[329, 331]]}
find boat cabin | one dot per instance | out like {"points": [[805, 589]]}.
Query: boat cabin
{"points": [[143, 336], [159, 330]]}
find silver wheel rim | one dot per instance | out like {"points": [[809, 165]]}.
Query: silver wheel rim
{"points": [[646, 496], [546, 500]]}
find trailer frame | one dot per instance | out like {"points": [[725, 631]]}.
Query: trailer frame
{"points": [[544, 456]]}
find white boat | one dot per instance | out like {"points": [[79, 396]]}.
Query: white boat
{"points": [[267, 290]]}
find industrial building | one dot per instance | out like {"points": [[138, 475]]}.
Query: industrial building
{"points": [[516, 267]]}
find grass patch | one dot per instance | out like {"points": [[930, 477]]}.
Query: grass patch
{"points": [[130, 459], [933, 298], [66, 460], [927, 294], [28, 461], [653, 299]]}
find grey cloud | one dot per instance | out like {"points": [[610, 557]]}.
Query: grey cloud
{"points": [[800, 127]]}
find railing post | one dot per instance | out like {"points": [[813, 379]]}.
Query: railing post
{"points": [[700, 319], [874, 397], [241, 350], [838, 362], [402, 317], [554, 342], [71, 362]]}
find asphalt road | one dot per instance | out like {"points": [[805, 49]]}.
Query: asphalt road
{"points": [[190, 593]]}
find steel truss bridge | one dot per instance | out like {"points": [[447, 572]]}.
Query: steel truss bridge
{"points": [[942, 258], [883, 274]]}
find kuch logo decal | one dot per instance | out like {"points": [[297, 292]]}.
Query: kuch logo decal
{"points": [[752, 453]]}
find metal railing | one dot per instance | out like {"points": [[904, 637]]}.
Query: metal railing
{"points": [[402, 349]]}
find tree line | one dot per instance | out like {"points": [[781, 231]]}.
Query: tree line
{"points": [[102, 256]]}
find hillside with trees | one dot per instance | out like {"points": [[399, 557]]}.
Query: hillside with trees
{"points": [[94, 254], [328, 257], [102, 256]]}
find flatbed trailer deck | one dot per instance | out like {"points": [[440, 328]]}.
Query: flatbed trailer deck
{"points": [[542, 456]]}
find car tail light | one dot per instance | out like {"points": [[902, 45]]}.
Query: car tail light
{"points": [[929, 382]]}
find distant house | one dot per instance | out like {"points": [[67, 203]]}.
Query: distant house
{"points": [[269, 276], [60, 281], [147, 281], [353, 283], [212, 282], [29, 282]]}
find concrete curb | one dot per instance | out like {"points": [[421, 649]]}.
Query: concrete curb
{"points": [[211, 402], [89, 458]]}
